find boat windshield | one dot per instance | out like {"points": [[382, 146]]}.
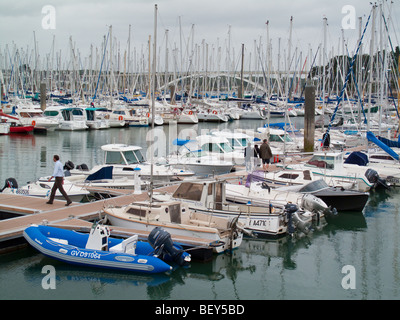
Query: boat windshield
{"points": [[314, 186], [50, 113], [279, 138], [189, 191], [138, 155], [226, 147], [196, 154], [322, 161], [114, 158], [239, 142]]}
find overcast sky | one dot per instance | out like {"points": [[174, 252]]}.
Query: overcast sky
{"points": [[88, 21]]}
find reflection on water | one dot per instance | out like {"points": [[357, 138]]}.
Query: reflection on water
{"points": [[307, 267]]}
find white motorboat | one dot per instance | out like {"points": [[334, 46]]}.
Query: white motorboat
{"points": [[126, 158], [259, 193], [42, 188], [266, 220], [218, 147], [96, 119], [35, 117], [177, 219], [328, 166], [70, 118], [103, 178], [211, 115], [133, 117], [197, 160], [187, 116], [250, 111]]}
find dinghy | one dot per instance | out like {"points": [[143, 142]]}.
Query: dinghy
{"points": [[98, 249]]}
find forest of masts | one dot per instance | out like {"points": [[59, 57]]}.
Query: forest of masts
{"points": [[203, 68]]}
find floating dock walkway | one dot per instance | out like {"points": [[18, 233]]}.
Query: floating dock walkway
{"points": [[34, 210]]}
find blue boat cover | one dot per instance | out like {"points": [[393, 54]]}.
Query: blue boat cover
{"points": [[358, 158], [371, 137], [103, 173], [389, 143], [180, 142]]}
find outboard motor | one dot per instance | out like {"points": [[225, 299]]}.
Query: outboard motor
{"points": [[373, 177], [82, 167], [290, 208], [10, 183], [301, 225], [294, 220], [164, 248], [315, 204], [69, 165]]}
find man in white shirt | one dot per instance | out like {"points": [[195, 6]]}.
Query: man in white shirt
{"points": [[58, 175]]}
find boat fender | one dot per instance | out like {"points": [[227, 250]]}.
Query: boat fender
{"points": [[164, 248], [10, 183]]}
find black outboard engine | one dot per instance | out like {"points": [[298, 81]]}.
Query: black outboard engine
{"points": [[373, 177], [164, 248], [82, 167], [290, 208], [69, 165], [10, 183]]}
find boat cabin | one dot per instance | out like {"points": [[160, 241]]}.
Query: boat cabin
{"points": [[122, 154], [214, 144], [329, 161], [73, 114], [237, 140], [208, 194]]}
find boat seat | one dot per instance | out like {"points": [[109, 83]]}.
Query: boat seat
{"points": [[126, 246], [62, 241], [203, 223]]}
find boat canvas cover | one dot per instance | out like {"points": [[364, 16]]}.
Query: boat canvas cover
{"points": [[256, 176], [358, 158], [389, 143], [103, 173], [371, 137]]}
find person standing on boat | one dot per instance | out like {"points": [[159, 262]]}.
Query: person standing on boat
{"points": [[256, 157], [265, 154], [58, 175], [326, 140]]}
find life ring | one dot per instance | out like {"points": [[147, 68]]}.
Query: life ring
{"points": [[120, 118], [148, 114], [33, 122], [190, 112], [215, 112]]}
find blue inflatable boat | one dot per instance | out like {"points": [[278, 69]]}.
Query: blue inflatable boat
{"points": [[98, 249]]}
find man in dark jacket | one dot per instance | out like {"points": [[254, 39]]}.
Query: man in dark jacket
{"points": [[265, 154]]}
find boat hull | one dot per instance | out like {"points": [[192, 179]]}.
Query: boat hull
{"points": [[46, 240], [208, 234], [21, 129], [342, 200]]}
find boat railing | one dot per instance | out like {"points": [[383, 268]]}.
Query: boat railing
{"points": [[236, 203]]}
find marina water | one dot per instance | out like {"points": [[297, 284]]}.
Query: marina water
{"points": [[355, 256]]}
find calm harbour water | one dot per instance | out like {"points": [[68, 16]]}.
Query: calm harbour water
{"points": [[306, 268]]}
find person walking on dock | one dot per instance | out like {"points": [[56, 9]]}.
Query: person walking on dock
{"points": [[58, 176], [265, 154]]}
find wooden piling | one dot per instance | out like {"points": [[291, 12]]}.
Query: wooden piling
{"points": [[43, 96], [309, 118]]}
